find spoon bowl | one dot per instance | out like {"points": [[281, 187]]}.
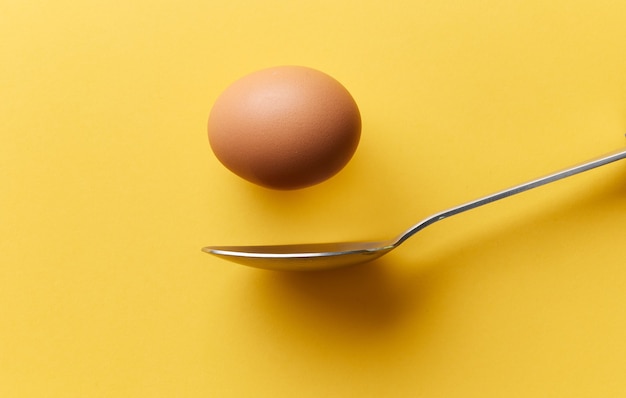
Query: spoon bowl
{"points": [[322, 256], [303, 257]]}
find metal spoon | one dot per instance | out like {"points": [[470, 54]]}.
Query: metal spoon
{"points": [[319, 256]]}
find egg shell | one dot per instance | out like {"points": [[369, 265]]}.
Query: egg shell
{"points": [[285, 127]]}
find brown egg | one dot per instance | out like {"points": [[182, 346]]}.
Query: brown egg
{"points": [[285, 127]]}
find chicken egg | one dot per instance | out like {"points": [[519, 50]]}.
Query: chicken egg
{"points": [[285, 127]]}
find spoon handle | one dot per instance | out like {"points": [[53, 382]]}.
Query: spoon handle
{"points": [[577, 169]]}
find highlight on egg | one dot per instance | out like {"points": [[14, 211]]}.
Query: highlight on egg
{"points": [[286, 127]]}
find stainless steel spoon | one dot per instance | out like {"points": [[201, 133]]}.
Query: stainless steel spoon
{"points": [[319, 256]]}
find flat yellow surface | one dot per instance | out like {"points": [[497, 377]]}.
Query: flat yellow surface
{"points": [[108, 190]]}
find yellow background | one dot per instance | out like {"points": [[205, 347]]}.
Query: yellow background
{"points": [[108, 190]]}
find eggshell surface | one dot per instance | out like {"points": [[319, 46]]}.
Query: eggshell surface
{"points": [[285, 127]]}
